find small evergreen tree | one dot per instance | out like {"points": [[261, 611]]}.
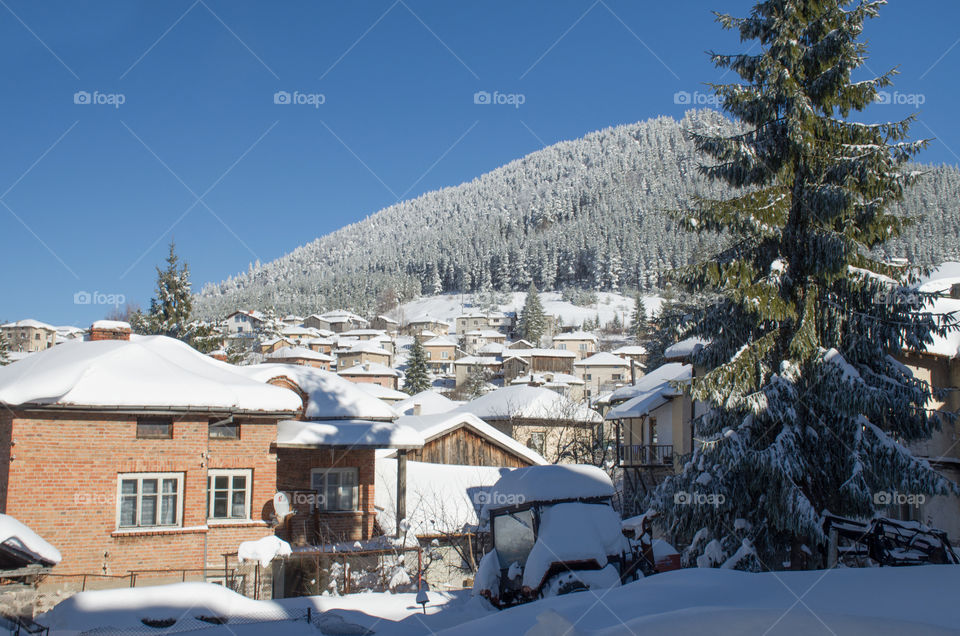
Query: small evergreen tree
{"points": [[476, 383], [533, 320], [808, 411], [417, 376], [639, 324], [4, 350]]}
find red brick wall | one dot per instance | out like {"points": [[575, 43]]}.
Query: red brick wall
{"points": [[293, 474], [62, 482], [109, 334]]}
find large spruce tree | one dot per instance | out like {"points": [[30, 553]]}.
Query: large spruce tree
{"points": [[807, 409], [533, 320], [417, 376]]}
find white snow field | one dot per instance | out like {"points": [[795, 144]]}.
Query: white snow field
{"points": [[873, 601]]}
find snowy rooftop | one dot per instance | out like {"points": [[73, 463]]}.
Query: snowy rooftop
{"points": [[485, 333], [111, 325], [650, 392], [330, 397], [431, 403], [484, 360], [145, 372], [941, 281], [382, 392], [631, 350], [433, 426], [528, 402], [363, 332], [347, 434], [575, 335], [24, 543], [540, 353], [370, 368], [492, 348], [368, 346], [684, 348], [298, 353], [440, 341], [29, 322], [602, 359]]}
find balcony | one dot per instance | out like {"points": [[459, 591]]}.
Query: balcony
{"points": [[645, 454]]}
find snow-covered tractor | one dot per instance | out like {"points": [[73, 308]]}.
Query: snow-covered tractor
{"points": [[554, 531]]}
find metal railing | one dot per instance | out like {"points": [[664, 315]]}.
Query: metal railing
{"points": [[645, 454]]}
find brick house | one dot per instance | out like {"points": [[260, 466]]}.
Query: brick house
{"points": [[362, 352], [372, 372], [582, 343], [302, 356], [161, 455], [441, 352]]}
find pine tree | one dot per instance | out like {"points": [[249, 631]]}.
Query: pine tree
{"points": [[533, 320], [639, 323], [476, 383], [808, 410], [417, 376], [4, 350]]}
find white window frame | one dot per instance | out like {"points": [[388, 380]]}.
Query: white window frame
{"points": [[140, 477], [321, 502], [231, 473]]}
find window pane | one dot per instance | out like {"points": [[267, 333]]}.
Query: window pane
{"points": [[239, 509], [330, 502], [128, 510], [221, 482], [128, 486], [148, 510], [346, 498], [220, 504], [168, 515], [239, 482]]}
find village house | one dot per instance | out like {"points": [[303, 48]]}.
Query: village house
{"points": [[602, 372], [363, 334], [427, 402], [29, 335], [269, 345], [463, 367], [372, 372], [567, 385], [321, 345], [440, 353], [244, 323], [162, 455], [363, 352], [478, 338], [554, 426], [382, 393], [582, 343], [637, 353], [301, 356], [518, 362], [420, 326], [385, 324], [298, 334]]}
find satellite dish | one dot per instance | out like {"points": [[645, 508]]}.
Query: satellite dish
{"points": [[281, 505]]}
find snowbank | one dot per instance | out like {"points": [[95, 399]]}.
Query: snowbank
{"points": [[553, 482]]}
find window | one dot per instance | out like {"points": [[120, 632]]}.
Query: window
{"points": [[583, 346], [444, 354], [228, 493], [562, 347], [223, 430], [587, 376], [617, 376], [336, 488], [537, 442], [154, 428], [429, 355], [149, 499]]}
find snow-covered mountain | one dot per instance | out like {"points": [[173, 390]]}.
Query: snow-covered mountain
{"points": [[590, 213]]}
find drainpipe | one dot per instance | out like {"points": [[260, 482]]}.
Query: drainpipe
{"points": [[401, 487]]}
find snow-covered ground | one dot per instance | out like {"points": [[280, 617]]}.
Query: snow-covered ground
{"points": [[448, 306], [874, 601]]}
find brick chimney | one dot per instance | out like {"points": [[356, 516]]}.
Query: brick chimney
{"points": [[109, 330]]}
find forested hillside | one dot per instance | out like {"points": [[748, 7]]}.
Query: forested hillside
{"points": [[589, 213]]}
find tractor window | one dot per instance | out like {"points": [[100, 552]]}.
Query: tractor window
{"points": [[513, 537]]}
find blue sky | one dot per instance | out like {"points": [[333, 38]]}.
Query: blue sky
{"points": [[91, 193]]}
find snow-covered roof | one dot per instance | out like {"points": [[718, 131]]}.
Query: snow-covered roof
{"points": [[347, 434], [602, 359], [382, 392], [575, 335], [433, 426], [548, 378], [368, 346], [330, 397], [256, 315], [24, 542], [520, 344], [528, 402], [300, 353], [29, 322], [553, 482], [486, 333], [941, 283], [323, 340], [441, 498], [631, 350], [111, 325], [370, 368], [431, 403], [146, 372], [492, 349], [388, 320], [685, 348], [650, 392], [298, 331], [482, 360], [363, 332], [542, 353], [427, 318], [439, 341]]}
